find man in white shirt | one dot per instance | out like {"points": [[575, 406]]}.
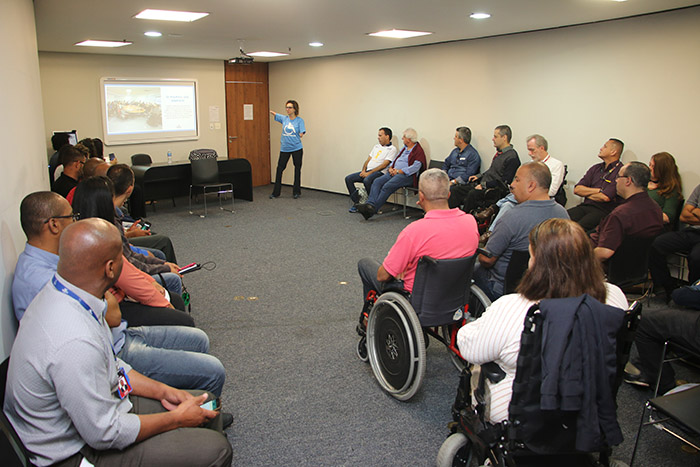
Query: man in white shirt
{"points": [[380, 157]]}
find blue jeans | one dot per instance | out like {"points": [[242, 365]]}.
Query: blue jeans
{"points": [[384, 186], [367, 268], [174, 355], [171, 281], [504, 205], [155, 252], [493, 289], [351, 179]]}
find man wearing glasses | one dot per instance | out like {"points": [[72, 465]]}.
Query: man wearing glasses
{"points": [[597, 187], [73, 162], [637, 216]]}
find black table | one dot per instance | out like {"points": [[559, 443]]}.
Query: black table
{"points": [[163, 181]]}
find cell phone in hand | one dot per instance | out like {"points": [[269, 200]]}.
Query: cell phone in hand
{"points": [[145, 225], [189, 268], [214, 404]]}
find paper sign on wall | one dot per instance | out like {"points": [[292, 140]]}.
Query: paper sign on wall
{"points": [[214, 114], [247, 111]]}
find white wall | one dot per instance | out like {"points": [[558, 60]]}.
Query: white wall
{"points": [[70, 85], [23, 158], [634, 79]]}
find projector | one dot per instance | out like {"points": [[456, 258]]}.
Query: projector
{"points": [[241, 60]]}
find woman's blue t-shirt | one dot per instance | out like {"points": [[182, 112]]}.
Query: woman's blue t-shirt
{"points": [[291, 129]]}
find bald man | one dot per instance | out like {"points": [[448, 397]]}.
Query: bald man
{"points": [[69, 398]]}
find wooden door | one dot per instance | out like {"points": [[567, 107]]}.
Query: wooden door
{"points": [[246, 86]]}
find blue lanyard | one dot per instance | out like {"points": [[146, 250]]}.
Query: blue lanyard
{"points": [[63, 289]]}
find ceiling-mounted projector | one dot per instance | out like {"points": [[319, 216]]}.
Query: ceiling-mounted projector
{"points": [[244, 59], [241, 60]]}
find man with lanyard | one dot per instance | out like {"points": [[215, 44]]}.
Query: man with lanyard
{"points": [[495, 180], [380, 157], [597, 187], [463, 162], [68, 394], [403, 172]]}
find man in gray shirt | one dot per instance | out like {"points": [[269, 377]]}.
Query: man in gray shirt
{"points": [[68, 393], [530, 186]]}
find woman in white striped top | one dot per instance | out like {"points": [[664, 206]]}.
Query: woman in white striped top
{"points": [[561, 265]]}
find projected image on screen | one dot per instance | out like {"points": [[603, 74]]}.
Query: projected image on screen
{"points": [[149, 111]]}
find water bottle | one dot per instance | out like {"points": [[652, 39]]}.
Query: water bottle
{"points": [[170, 157]]}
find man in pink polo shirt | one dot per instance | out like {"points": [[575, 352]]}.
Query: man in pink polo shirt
{"points": [[443, 233]]}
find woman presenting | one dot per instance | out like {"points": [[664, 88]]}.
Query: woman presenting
{"points": [[293, 129]]}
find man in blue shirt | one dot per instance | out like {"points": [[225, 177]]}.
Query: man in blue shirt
{"points": [[463, 162], [403, 171]]}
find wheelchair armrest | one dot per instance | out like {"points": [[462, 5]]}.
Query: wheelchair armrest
{"points": [[493, 372]]}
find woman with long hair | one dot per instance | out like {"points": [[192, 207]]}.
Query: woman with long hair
{"points": [[665, 185], [562, 264], [293, 129]]}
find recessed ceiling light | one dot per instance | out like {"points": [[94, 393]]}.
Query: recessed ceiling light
{"points": [[316, 44], [619, 0], [399, 34], [169, 15], [479, 15], [93, 43], [152, 34], [266, 54]]}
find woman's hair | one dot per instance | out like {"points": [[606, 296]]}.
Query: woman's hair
{"points": [[295, 104], [668, 180], [564, 263], [94, 197]]}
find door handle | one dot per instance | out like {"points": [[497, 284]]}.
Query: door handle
{"points": [[230, 138]]}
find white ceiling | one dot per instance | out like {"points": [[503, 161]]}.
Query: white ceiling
{"points": [[276, 25]]}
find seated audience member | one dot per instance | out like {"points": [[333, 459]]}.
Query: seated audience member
{"points": [[597, 187], [678, 325], [68, 398], [559, 249], [463, 162], [442, 233], [404, 171], [174, 355], [537, 150], [90, 145], [531, 189], [686, 240], [57, 142], [94, 197], [665, 185], [73, 161], [637, 216], [495, 180], [122, 177], [379, 158], [93, 167]]}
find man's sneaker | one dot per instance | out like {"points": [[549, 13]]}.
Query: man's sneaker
{"points": [[352, 209], [634, 376]]}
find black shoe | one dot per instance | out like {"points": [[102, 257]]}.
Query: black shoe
{"points": [[297, 195], [636, 380], [367, 210], [226, 419], [274, 196]]}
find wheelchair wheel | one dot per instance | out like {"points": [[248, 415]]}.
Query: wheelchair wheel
{"points": [[457, 361], [478, 302], [456, 451], [396, 346]]}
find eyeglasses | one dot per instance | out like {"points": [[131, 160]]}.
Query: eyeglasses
{"points": [[290, 106], [74, 215], [621, 176]]}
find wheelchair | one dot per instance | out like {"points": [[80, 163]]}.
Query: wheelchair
{"points": [[398, 324], [530, 436]]}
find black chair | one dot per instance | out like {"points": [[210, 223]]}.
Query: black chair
{"points": [[629, 266], [12, 450], [205, 175], [560, 196], [515, 270], [141, 159], [529, 431], [678, 410], [398, 324]]}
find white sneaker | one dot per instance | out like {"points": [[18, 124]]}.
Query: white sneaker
{"points": [[362, 193]]}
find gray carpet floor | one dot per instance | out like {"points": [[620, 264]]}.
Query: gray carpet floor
{"points": [[280, 301]]}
